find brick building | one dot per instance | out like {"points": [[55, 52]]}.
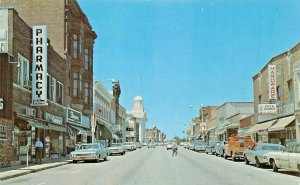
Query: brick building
{"points": [[73, 39], [20, 122]]}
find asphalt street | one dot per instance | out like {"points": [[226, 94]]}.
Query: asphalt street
{"points": [[156, 166]]}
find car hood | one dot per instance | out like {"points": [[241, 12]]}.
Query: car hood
{"points": [[84, 151]]}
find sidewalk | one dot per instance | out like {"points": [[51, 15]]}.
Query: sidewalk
{"points": [[18, 170]]}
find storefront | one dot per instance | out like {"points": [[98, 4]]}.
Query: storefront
{"points": [[259, 132], [283, 131], [76, 134], [26, 131]]}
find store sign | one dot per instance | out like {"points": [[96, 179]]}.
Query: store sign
{"points": [[272, 82], [39, 66], [73, 116], [267, 109], [54, 119]]}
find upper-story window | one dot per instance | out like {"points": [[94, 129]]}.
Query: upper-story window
{"points": [[51, 88], [23, 71], [75, 84], [80, 46], [3, 132], [86, 59], [60, 92], [278, 92], [75, 46], [291, 91], [86, 93], [91, 60]]}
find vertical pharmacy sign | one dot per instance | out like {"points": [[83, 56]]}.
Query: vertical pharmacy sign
{"points": [[272, 82], [39, 65]]}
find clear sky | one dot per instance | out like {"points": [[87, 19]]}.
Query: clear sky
{"points": [[177, 53]]}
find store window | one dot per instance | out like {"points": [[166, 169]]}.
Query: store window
{"points": [[3, 132]]}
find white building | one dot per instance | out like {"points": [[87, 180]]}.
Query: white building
{"points": [[140, 118]]}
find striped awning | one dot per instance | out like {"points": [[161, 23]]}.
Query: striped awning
{"points": [[282, 123], [260, 127]]}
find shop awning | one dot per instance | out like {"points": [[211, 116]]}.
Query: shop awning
{"points": [[79, 129], [282, 123], [60, 128], [105, 133], [260, 127], [34, 123]]}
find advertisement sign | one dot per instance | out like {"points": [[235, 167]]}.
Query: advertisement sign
{"points": [[272, 82], [265, 109], [39, 66], [53, 118], [73, 116]]}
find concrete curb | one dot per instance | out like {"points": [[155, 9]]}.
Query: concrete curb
{"points": [[32, 169]]}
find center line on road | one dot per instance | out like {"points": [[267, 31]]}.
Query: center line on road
{"points": [[75, 172]]}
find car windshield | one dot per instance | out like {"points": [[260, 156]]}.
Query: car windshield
{"points": [[85, 147], [115, 144], [273, 148]]}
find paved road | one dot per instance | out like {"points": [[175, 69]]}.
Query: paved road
{"points": [[156, 166]]}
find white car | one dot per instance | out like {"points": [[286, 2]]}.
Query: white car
{"points": [[89, 151], [169, 146], [117, 148], [289, 159]]}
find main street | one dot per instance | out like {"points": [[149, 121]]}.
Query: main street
{"points": [[156, 166]]}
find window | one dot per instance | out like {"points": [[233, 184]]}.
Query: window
{"points": [[60, 92], [86, 93], [75, 46], [86, 59], [80, 84], [3, 132], [80, 46], [278, 92], [259, 98], [75, 84], [51, 88], [23, 71], [291, 91]]}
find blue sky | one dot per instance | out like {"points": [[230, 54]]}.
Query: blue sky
{"points": [[177, 53]]}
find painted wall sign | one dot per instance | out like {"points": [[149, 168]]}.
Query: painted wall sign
{"points": [[39, 66], [265, 109]]}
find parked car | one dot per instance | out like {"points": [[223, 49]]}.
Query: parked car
{"points": [[89, 151], [200, 145], [129, 146], [236, 146], [289, 159], [210, 148], [256, 153], [117, 148], [220, 148]]}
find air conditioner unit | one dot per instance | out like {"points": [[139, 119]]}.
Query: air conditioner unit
{"points": [[3, 47], [30, 112]]}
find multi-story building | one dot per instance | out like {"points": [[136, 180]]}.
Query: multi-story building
{"points": [[153, 135], [229, 115], [23, 118], [73, 39], [295, 56], [274, 90]]}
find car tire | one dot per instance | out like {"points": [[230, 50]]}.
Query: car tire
{"points": [[246, 160], [98, 159], [105, 158], [74, 161], [274, 167], [257, 163]]}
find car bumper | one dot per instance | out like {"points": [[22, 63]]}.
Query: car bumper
{"points": [[83, 158]]}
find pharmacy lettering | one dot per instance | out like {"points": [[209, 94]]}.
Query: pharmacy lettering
{"points": [[39, 66]]}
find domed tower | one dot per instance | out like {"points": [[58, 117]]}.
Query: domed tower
{"points": [[140, 115]]}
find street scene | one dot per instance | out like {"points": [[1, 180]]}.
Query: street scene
{"points": [[160, 168], [158, 92]]}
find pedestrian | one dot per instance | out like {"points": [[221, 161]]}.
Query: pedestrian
{"points": [[174, 146], [38, 151]]}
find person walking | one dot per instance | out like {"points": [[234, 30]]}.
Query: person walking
{"points": [[174, 146], [38, 151]]}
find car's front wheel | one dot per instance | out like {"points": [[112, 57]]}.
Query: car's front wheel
{"points": [[105, 158], [257, 163], [275, 168], [97, 160], [246, 160]]}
